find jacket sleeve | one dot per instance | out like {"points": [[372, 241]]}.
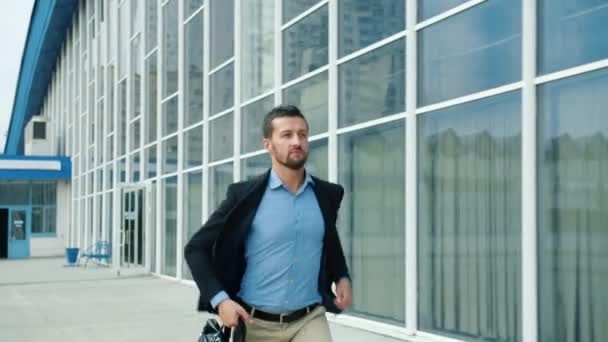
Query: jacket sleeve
{"points": [[336, 260], [198, 252]]}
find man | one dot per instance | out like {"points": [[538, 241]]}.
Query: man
{"points": [[270, 253]]}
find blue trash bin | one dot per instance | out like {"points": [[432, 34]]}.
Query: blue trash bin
{"points": [[72, 255]]}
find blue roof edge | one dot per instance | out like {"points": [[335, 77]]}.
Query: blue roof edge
{"points": [[64, 174], [45, 13]]}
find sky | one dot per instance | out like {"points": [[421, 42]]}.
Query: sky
{"points": [[14, 22]]}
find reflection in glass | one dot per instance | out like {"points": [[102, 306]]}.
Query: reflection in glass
{"points": [[135, 168], [136, 74], [469, 220], [151, 8], [456, 57], [220, 177], [430, 8], [135, 134], [170, 47], [122, 117], [170, 153], [373, 85], [305, 45], [573, 208], [372, 220], [310, 96], [170, 116], [221, 85], [222, 31], [169, 231], [317, 159], [255, 166], [193, 147], [252, 117], [190, 6], [194, 70], [293, 8], [363, 22], [193, 203], [151, 160], [151, 101], [571, 33], [257, 73], [221, 133]]}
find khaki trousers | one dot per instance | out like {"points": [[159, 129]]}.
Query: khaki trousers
{"points": [[311, 328]]}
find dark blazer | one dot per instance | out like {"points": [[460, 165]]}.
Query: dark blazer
{"points": [[216, 253]]}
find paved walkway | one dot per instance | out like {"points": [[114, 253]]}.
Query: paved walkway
{"points": [[42, 301]]}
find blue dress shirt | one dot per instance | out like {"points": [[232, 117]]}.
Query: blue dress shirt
{"points": [[283, 250]]}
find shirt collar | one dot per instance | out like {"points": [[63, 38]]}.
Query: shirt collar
{"points": [[275, 182]]}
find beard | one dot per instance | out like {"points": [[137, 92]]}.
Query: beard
{"points": [[294, 164]]}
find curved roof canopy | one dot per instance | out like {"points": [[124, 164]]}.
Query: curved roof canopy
{"points": [[48, 25]]}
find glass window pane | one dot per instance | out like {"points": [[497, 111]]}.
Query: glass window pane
{"points": [[14, 193], [151, 159], [255, 166], [293, 8], [122, 171], [193, 147], [135, 167], [571, 33], [193, 203], [252, 117], [123, 41], [430, 8], [372, 218], [170, 116], [122, 117], [152, 98], [317, 159], [151, 25], [310, 96], [43, 193], [469, 220], [221, 138], [136, 72], [457, 58], [135, 17], [220, 177], [194, 68], [257, 48], [573, 208], [170, 47], [363, 22], [305, 45], [222, 31], [135, 134], [222, 89], [170, 153], [169, 231], [373, 85], [190, 6]]}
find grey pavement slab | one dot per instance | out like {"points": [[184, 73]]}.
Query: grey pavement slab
{"points": [[43, 301]]}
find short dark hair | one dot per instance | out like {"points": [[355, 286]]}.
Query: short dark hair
{"points": [[280, 112]]}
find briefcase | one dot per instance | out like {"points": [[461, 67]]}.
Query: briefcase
{"points": [[214, 332]]}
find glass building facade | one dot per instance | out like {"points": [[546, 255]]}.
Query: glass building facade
{"points": [[471, 138]]}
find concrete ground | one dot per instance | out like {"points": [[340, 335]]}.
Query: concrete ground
{"points": [[43, 301]]}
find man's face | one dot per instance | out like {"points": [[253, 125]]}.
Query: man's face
{"points": [[288, 144]]}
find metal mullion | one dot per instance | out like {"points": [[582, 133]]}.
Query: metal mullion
{"points": [[170, 96], [160, 195], [295, 20], [451, 12], [238, 9], [305, 77], [206, 108], [371, 123], [220, 114], [147, 55], [577, 70], [258, 97], [180, 141], [372, 47], [332, 80], [189, 19], [221, 66], [278, 51], [529, 229], [410, 167]]}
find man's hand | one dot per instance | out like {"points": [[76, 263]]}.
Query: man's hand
{"points": [[230, 311], [344, 294]]}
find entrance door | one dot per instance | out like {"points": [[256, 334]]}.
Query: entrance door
{"points": [[3, 233], [19, 232], [132, 234]]}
